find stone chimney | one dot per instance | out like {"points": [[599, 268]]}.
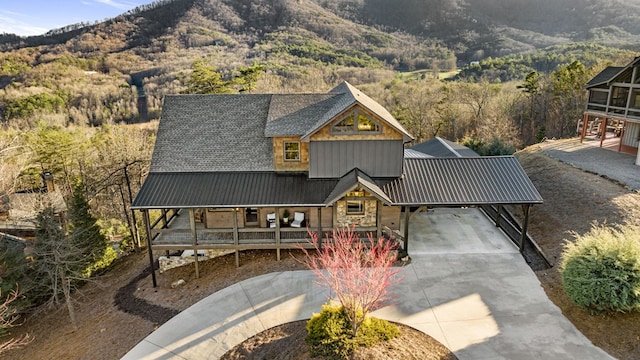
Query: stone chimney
{"points": [[47, 178]]}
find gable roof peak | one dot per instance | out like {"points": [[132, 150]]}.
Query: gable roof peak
{"points": [[350, 96]]}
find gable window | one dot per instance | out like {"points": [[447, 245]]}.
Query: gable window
{"points": [[366, 124], [291, 151], [354, 205], [346, 125], [355, 122]]}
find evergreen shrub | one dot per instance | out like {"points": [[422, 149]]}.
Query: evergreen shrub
{"points": [[601, 269], [330, 334]]}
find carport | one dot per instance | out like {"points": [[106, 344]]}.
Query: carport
{"points": [[486, 182]]}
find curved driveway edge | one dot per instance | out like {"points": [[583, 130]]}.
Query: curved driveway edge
{"points": [[467, 286]]}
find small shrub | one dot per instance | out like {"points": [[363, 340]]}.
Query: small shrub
{"points": [[601, 269], [495, 147], [330, 335]]}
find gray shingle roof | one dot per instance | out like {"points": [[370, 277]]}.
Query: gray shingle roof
{"points": [[350, 97], [213, 133], [295, 114], [438, 147], [611, 72], [604, 76]]}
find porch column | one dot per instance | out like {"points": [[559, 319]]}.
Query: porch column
{"points": [[603, 130], [523, 236], [320, 235], [194, 239], [379, 218], [278, 233], [498, 214], [406, 229], [145, 215], [624, 125], [585, 121], [235, 236]]}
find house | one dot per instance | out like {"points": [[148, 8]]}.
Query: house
{"points": [[18, 211], [240, 163], [614, 106]]}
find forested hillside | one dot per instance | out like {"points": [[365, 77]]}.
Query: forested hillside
{"points": [[81, 101]]}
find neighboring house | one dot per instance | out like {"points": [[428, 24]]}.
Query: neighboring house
{"points": [[18, 211], [239, 163], [614, 105]]}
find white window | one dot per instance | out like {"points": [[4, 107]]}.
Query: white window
{"points": [[291, 151], [354, 205]]}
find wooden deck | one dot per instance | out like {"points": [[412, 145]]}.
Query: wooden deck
{"points": [[611, 143], [179, 236]]}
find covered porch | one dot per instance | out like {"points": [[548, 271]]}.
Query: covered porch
{"points": [[184, 229], [610, 132], [239, 211]]}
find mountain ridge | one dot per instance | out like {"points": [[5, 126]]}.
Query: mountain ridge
{"points": [[473, 29]]}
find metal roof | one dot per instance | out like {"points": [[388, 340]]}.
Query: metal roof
{"points": [[231, 189], [439, 147], [413, 154], [426, 181], [352, 180], [462, 181]]}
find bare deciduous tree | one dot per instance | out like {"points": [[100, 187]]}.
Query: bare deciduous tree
{"points": [[8, 319], [360, 273], [57, 262]]}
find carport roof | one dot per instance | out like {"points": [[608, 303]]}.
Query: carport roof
{"points": [[462, 182], [426, 181]]}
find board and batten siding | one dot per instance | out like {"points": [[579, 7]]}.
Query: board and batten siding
{"points": [[377, 158], [631, 134]]}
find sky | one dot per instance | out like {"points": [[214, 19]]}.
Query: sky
{"points": [[36, 17]]}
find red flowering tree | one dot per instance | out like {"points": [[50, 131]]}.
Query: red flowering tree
{"points": [[359, 272]]}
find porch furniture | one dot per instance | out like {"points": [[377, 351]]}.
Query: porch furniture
{"points": [[298, 218], [271, 220]]}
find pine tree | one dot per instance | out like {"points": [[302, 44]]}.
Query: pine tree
{"points": [[84, 233]]}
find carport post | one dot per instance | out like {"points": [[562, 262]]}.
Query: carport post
{"points": [[236, 239], [147, 226], [406, 229], [194, 239], [498, 215], [524, 226]]}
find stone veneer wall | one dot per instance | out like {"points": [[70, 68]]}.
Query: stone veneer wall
{"points": [[367, 219]]}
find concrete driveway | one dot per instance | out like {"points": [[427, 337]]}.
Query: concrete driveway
{"points": [[467, 286]]}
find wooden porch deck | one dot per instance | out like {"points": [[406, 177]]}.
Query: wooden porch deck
{"points": [[179, 236]]}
